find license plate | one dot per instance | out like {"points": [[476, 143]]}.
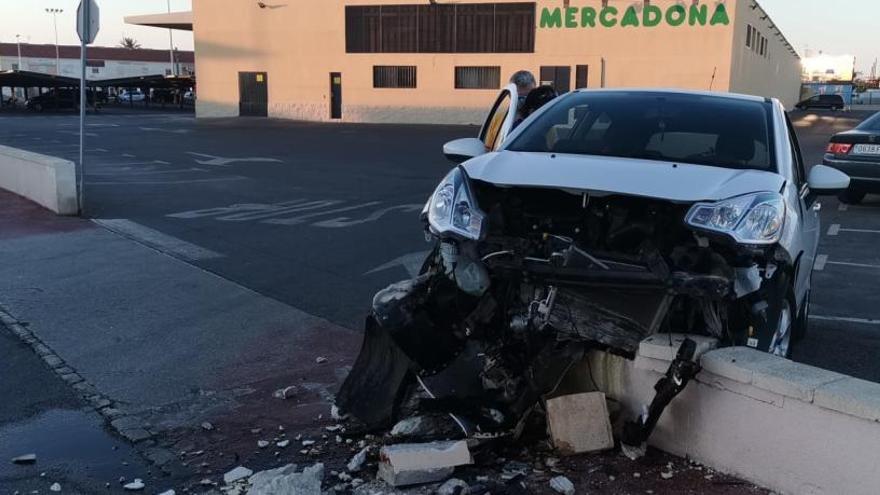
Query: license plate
{"points": [[867, 149]]}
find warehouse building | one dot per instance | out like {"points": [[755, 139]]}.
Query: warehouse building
{"points": [[437, 61]]}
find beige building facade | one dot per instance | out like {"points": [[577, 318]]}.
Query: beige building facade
{"points": [[413, 61]]}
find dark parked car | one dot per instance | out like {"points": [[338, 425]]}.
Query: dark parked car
{"points": [[857, 153], [833, 102], [62, 99]]}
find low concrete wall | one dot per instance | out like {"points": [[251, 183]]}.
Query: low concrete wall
{"points": [[786, 426], [46, 180]]}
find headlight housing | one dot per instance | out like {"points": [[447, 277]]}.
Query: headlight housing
{"points": [[452, 209], [756, 218]]}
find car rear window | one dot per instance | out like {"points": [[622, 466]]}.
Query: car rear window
{"points": [[700, 129], [871, 124]]}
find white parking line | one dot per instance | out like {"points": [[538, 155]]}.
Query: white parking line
{"points": [[157, 240], [857, 265], [846, 319], [861, 231], [834, 229], [821, 260]]}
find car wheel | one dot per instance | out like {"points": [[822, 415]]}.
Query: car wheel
{"points": [[782, 342], [852, 197]]}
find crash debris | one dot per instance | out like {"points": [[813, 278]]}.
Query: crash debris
{"points": [[25, 459], [236, 474], [287, 480], [286, 392], [579, 423], [357, 462], [134, 486], [55, 487], [561, 484], [413, 464]]}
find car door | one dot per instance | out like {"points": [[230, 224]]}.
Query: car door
{"points": [[809, 216], [501, 118]]}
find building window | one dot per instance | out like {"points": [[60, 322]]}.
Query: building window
{"points": [[749, 36], [582, 76], [444, 28], [394, 76], [477, 77], [557, 76], [96, 70], [14, 66]]}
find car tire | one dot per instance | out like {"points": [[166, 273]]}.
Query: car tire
{"points": [[852, 197]]}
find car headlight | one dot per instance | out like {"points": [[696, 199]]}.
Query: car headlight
{"points": [[751, 219], [452, 209]]}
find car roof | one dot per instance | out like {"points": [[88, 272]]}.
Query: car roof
{"points": [[674, 91]]}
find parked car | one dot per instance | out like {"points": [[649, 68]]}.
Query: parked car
{"points": [[130, 96], [831, 102], [61, 99], [857, 153]]}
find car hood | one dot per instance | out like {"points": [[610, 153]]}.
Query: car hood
{"points": [[683, 183]]}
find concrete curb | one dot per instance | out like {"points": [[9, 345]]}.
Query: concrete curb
{"points": [[46, 180], [783, 425]]}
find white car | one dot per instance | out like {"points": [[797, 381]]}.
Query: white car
{"points": [[605, 217], [127, 96]]}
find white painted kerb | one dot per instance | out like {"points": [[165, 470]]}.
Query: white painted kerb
{"points": [[45, 180], [786, 426]]}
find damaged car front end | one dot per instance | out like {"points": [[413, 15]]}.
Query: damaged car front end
{"points": [[545, 251]]}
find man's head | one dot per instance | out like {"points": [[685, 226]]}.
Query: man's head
{"points": [[525, 82]]}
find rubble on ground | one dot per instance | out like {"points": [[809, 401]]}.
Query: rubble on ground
{"points": [[414, 464], [25, 459]]}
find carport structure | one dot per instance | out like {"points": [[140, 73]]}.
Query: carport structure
{"points": [[146, 83], [24, 79]]}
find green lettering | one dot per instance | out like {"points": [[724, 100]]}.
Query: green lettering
{"points": [[588, 17], [698, 14], [676, 15], [570, 20], [551, 18], [630, 18], [604, 17], [720, 15], [652, 16]]}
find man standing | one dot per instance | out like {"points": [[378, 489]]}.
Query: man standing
{"points": [[525, 83]]}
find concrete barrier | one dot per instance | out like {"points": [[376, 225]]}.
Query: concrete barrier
{"points": [[45, 180], [786, 426]]}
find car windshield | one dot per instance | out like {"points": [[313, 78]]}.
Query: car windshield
{"points": [[871, 124], [705, 130]]}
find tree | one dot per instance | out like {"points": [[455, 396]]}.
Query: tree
{"points": [[129, 43]]}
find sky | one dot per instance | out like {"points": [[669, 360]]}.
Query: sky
{"points": [[836, 27]]}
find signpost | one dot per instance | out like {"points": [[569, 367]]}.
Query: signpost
{"points": [[87, 24]]}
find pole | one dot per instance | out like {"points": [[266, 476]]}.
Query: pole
{"points": [[171, 44], [18, 43], [82, 105], [57, 52]]}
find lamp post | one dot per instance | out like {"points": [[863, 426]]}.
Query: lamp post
{"points": [[54, 13], [171, 44], [18, 44]]}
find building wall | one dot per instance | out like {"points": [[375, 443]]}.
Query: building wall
{"points": [[778, 75], [112, 68], [300, 45]]}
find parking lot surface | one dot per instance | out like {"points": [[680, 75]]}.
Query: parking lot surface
{"points": [[321, 216]]}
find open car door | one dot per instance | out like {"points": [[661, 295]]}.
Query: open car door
{"points": [[494, 131]]}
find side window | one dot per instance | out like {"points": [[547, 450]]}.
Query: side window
{"points": [[799, 169], [495, 122]]}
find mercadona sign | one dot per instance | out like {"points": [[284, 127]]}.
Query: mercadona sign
{"points": [[650, 16]]}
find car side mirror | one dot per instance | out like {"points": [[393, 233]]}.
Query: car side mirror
{"points": [[827, 181], [464, 149]]}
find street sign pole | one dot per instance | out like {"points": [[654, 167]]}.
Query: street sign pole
{"points": [[84, 37], [87, 28]]}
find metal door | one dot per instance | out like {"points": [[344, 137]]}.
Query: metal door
{"points": [[557, 76], [335, 95], [253, 94]]}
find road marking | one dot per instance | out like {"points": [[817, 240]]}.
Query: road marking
{"points": [[846, 319], [842, 207], [76, 133], [834, 229], [412, 262], [170, 131], [821, 260], [128, 155], [302, 218], [263, 214], [861, 231], [157, 240], [163, 182], [857, 265], [223, 161], [341, 222]]}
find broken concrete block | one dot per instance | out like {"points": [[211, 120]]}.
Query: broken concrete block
{"points": [[418, 463], [561, 484], [579, 423], [286, 480], [357, 462], [135, 486], [25, 459], [454, 486]]}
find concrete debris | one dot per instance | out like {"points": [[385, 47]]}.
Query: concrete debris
{"points": [[236, 474], [407, 427], [262, 444], [134, 486], [206, 482], [25, 459], [551, 462], [306, 443], [666, 475], [357, 462], [634, 453], [282, 444], [207, 426], [453, 486], [418, 463], [169, 492], [320, 360], [357, 482], [55, 487], [286, 480], [333, 428], [579, 423], [561, 484], [513, 470], [336, 414], [344, 477], [285, 393]]}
